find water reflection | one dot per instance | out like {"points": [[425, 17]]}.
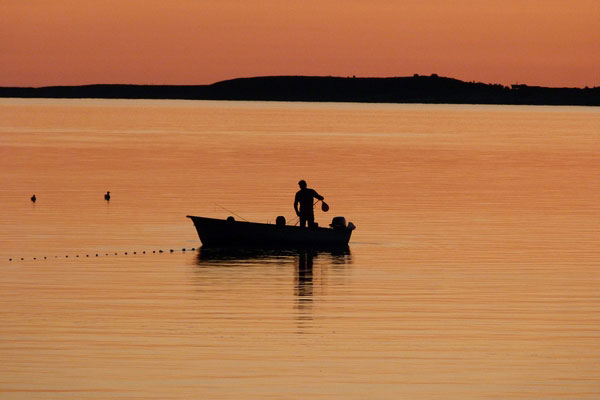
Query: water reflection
{"points": [[313, 269], [304, 289], [304, 275], [224, 256]]}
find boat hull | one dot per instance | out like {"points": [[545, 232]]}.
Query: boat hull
{"points": [[218, 232]]}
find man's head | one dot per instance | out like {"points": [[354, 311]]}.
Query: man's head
{"points": [[302, 184]]}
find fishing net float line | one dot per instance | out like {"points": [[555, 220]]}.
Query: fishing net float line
{"points": [[104, 255]]}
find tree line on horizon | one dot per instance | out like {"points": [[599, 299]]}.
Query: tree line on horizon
{"points": [[415, 89]]}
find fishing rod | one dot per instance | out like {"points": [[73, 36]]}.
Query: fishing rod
{"points": [[229, 211]]}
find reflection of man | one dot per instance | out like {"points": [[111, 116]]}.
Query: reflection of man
{"points": [[304, 198], [305, 275]]}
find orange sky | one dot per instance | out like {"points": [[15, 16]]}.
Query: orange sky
{"points": [[70, 42]]}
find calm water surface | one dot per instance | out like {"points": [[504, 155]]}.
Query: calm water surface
{"points": [[474, 272]]}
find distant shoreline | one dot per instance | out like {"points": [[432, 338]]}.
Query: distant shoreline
{"points": [[430, 89]]}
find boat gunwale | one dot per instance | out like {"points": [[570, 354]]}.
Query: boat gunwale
{"points": [[317, 228]]}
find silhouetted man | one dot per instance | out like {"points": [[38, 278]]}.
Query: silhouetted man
{"points": [[304, 198]]}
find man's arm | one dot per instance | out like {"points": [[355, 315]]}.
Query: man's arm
{"points": [[296, 202], [317, 195]]}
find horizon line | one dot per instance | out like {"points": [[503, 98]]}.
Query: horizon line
{"points": [[302, 76]]}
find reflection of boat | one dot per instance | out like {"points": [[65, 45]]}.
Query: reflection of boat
{"points": [[229, 232], [234, 255]]}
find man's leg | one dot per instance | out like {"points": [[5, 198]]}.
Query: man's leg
{"points": [[302, 221]]}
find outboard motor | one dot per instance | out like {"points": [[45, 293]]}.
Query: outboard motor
{"points": [[280, 220], [338, 223]]}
